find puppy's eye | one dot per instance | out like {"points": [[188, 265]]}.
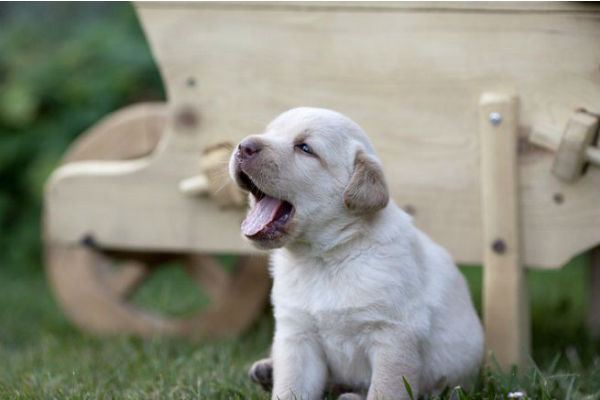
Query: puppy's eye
{"points": [[305, 148]]}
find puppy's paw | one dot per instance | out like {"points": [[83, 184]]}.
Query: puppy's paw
{"points": [[261, 372], [350, 396]]}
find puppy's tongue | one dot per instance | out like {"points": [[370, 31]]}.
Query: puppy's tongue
{"points": [[261, 215]]}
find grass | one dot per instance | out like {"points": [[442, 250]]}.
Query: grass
{"points": [[43, 356]]}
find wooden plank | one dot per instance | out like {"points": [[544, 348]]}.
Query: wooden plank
{"points": [[505, 307], [386, 6], [417, 102], [412, 80], [131, 132]]}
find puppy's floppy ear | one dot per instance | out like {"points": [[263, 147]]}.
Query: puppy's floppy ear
{"points": [[367, 191]]}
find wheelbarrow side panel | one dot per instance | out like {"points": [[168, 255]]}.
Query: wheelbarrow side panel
{"points": [[412, 78]]}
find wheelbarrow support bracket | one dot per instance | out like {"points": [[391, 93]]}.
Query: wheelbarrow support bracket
{"points": [[505, 308]]}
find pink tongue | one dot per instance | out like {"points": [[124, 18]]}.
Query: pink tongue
{"points": [[260, 216]]}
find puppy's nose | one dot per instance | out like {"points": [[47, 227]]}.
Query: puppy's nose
{"points": [[249, 148]]}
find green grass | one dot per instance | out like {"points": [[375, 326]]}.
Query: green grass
{"points": [[43, 356], [178, 295]]}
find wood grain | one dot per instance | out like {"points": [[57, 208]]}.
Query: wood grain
{"points": [[505, 307], [412, 78]]}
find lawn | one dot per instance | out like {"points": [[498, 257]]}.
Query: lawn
{"points": [[43, 356]]}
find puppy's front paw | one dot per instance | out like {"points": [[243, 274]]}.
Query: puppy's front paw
{"points": [[350, 396], [261, 372]]}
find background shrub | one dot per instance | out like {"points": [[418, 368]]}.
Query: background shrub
{"points": [[62, 67]]}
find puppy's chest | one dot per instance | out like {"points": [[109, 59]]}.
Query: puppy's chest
{"points": [[343, 310], [346, 336], [349, 296], [347, 353], [325, 298]]}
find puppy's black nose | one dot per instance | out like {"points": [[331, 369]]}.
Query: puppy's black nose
{"points": [[249, 148]]}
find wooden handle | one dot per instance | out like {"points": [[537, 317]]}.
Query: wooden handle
{"points": [[593, 155], [194, 186], [546, 136]]}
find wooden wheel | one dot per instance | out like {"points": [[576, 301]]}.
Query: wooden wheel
{"points": [[95, 285]]}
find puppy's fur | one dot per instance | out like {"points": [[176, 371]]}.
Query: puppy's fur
{"points": [[361, 297]]}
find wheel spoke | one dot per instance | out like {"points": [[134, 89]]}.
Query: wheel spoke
{"points": [[244, 299], [75, 274], [124, 279], [208, 274]]}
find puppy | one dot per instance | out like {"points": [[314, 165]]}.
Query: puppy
{"points": [[361, 297]]}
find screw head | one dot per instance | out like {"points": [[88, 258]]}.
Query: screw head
{"points": [[499, 246], [88, 241], [558, 198], [495, 118]]}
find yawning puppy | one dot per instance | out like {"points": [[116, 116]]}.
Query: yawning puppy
{"points": [[361, 297]]}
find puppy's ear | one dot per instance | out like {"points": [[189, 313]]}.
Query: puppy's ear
{"points": [[367, 191]]}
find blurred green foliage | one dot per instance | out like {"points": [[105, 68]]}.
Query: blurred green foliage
{"points": [[63, 66]]}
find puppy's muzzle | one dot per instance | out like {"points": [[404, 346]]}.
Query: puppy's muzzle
{"points": [[248, 149]]}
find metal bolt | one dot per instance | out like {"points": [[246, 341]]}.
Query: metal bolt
{"points": [[89, 241], [558, 198], [499, 246], [495, 118]]}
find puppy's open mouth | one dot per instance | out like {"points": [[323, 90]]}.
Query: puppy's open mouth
{"points": [[269, 217]]}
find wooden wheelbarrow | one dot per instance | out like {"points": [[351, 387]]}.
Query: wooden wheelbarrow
{"points": [[449, 93]]}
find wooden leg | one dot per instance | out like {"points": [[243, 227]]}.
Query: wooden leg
{"points": [[593, 317], [505, 305]]}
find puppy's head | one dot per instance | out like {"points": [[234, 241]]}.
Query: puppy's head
{"points": [[310, 168]]}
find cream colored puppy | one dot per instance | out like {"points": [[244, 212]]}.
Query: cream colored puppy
{"points": [[361, 297]]}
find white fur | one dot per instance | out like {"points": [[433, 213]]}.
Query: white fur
{"points": [[359, 300]]}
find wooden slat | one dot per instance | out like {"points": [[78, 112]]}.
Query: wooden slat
{"points": [[385, 6], [505, 307], [131, 132]]}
